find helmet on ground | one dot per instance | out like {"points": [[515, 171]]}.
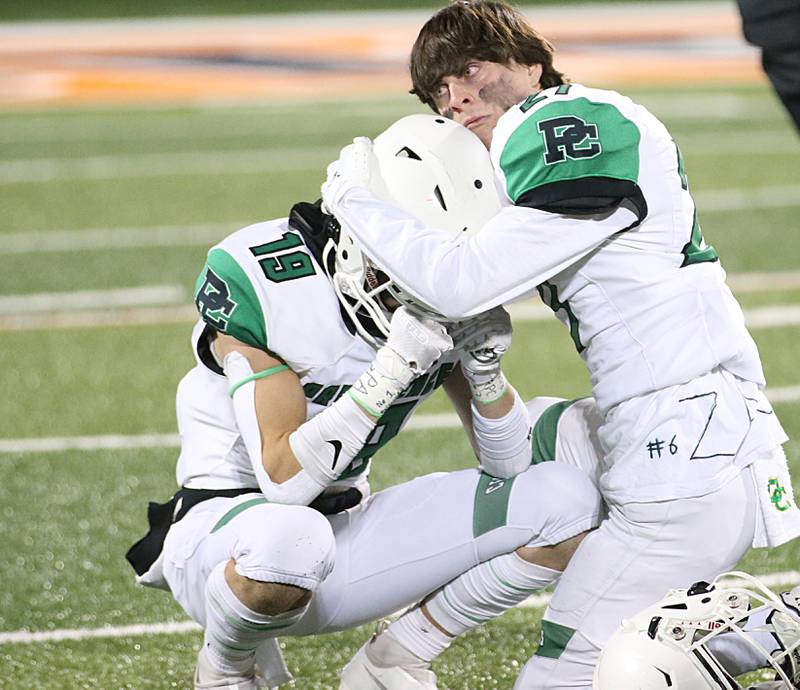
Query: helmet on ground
{"points": [[438, 171], [667, 645]]}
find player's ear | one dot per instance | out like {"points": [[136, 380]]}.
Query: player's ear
{"points": [[535, 74]]}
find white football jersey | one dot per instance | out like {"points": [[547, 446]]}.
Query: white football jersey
{"points": [[262, 286], [599, 220], [648, 307]]}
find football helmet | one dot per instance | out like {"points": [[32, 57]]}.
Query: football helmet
{"points": [[666, 646], [440, 172]]}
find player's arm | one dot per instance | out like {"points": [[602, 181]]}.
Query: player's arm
{"points": [[513, 253], [563, 207], [279, 406], [456, 388], [296, 459], [490, 409]]}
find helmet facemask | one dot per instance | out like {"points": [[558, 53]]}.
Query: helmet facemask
{"points": [[363, 292]]}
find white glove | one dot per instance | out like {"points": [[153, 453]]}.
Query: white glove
{"points": [[413, 346], [356, 167], [418, 341], [482, 341]]}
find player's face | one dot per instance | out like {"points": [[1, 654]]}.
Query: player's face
{"points": [[375, 278], [478, 97]]}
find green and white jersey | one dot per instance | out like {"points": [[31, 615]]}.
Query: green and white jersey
{"points": [[262, 286], [599, 220], [647, 307]]}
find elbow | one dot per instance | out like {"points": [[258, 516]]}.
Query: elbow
{"points": [[282, 492], [284, 481], [277, 469]]}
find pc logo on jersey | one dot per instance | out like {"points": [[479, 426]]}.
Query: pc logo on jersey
{"points": [[568, 137], [777, 495], [214, 302]]}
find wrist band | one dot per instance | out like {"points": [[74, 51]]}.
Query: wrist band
{"points": [[488, 390]]}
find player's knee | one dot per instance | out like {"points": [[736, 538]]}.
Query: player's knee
{"points": [[268, 598], [555, 557], [554, 499], [289, 546]]}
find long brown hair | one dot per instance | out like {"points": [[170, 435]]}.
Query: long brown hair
{"points": [[469, 30]]}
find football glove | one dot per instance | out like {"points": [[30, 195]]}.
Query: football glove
{"points": [[356, 167], [418, 340], [481, 343], [413, 346]]}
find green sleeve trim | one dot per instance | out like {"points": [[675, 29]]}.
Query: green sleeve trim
{"points": [[260, 375], [566, 140], [227, 300], [545, 432]]}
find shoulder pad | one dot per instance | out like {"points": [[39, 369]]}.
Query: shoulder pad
{"points": [[573, 151], [227, 300]]}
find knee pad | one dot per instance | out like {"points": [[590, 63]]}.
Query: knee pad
{"points": [[285, 544], [555, 501]]}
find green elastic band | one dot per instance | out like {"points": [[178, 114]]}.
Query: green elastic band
{"points": [[363, 406], [259, 375]]}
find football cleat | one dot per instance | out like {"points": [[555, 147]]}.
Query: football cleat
{"points": [[382, 663], [206, 677]]}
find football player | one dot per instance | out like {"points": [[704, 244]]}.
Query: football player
{"points": [[598, 218], [308, 362]]}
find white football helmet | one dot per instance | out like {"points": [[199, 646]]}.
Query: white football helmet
{"points": [[665, 647], [438, 171]]}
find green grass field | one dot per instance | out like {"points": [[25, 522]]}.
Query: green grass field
{"points": [[77, 185]]}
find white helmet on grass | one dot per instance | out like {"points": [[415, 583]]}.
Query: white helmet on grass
{"points": [[665, 647], [440, 172]]}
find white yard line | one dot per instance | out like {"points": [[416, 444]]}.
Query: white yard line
{"points": [[140, 307], [57, 444], [444, 420], [419, 422], [719, 201], [204, 122], [785, 579], [772, 317], [743, 283], [101, 318], [167, 164], [203, 234], [758, 318], [22, 636], [244, 161], [38, 242], [148, 295]]}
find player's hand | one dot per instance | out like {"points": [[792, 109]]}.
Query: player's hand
{"points": [[419, 341], [356, 167], [481, 343]]}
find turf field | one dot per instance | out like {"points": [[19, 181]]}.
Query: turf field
{"points": [[107, 215]]}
